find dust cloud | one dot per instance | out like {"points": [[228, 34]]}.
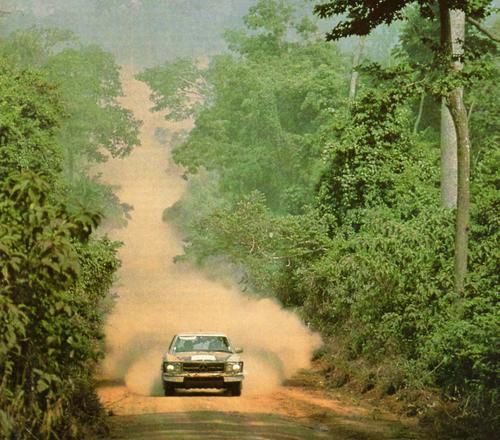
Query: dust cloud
{"points": [[158, 298]]}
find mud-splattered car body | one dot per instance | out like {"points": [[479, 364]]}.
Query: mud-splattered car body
{"points": [[202, 360]]}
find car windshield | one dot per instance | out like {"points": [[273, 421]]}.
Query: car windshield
{"points": [[201, 343]]}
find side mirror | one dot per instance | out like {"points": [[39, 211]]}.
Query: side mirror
{"points": [[238, 350]]}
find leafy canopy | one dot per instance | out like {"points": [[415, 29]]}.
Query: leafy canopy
{"points": [[256, 108], [361, 16]]}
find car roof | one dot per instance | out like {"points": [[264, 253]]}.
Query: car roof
{"points": [[201, 334]]}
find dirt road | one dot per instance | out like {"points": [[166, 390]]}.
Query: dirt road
{"points": [[287, 413], [157, 298]]}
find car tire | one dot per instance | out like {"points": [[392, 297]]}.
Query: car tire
{"points": [[169, 389], [235, 389]]}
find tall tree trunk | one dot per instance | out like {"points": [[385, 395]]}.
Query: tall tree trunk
{"points": [[448, 158], [448, 132], [356, 61], [455, 36], [459, 114]]}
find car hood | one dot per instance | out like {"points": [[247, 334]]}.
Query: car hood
{"points": [[211, 356]]}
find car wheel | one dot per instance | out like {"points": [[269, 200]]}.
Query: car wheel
{"points": [[169, 389], [235, 389]]}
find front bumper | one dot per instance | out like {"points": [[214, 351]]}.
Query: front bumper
{"points": [[202, 380], [201, 376]]}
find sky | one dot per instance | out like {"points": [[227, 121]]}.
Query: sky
{"points": [[150, 32], [142, 31]]}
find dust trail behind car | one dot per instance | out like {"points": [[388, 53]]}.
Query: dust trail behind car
{"points": [[158, 298]]}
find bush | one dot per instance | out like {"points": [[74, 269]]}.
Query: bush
{"points": [[54, 278]]}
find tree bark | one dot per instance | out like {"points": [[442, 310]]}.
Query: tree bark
{"points": [[448, 158], [456, 35], [448, 133], [459, 114], [356, 61]]}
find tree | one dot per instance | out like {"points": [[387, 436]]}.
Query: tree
{"points": [[96, 126], [87, 84], [362, 17], [30, 114], [369, 261], [259, 106], [59, 111], [356, 61], [53, 281], [54, 277]]}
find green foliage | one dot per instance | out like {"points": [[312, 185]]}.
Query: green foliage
{"points": [[86, 86], [54, 279], [444, 341], [335, 209], [372, 164], [484, 231], [264, 249], [177, 87], [462, 353], [481, 101], [89, 83], [35, 46], [30, 113], [383, 284], [385, 288], [361, 16], [52, 327], [419, 48], [272, 20], [259, 108], [89, 194]]}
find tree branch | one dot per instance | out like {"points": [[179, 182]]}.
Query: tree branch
{"points": [[420, 112], [470, 111], [191, 92], [188, 82], [483, 29]]}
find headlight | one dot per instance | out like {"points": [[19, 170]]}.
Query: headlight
{"points": [[172, 367], [234, 367]]}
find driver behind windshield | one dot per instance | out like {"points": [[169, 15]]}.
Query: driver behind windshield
{"points": [[201, 343]]}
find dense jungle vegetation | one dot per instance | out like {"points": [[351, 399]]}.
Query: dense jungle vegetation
{"points": [[331, 203], [58, 116], [317, 179]]}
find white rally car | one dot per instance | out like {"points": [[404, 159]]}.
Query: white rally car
{"points": [[202, 360]]}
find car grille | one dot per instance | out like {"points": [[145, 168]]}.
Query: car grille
{"points": [[203, 382], [203, 367]]}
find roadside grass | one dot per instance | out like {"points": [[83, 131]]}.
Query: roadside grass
{"points": [[382, 388]]}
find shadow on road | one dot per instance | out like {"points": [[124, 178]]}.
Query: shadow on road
{"points": [[201, 393], [224, 425], [212, 425], [288, 414]]}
